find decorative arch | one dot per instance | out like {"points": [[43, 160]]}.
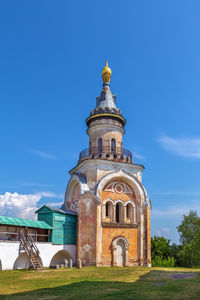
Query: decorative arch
{"points": [[134, 183], [117, 243], [120, 201], [110, 200], [60, 257], [74, 180], [130, 202]]}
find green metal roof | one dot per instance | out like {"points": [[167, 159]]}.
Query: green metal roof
{"points": [[24, 222]]}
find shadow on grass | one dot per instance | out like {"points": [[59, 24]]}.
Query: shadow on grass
{"points": [[153, 285]]}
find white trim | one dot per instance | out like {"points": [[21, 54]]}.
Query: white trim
{"points": [[102, 163], [120, 238], [131, 180], [119, 200], [104, 202], [129, 202]]}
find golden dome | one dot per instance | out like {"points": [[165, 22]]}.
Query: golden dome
{"points": [[106, 73]]}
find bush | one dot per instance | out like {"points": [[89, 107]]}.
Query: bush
{"points": [[160, 262]]}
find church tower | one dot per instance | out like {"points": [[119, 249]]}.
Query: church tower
{"points": [[106, 191]]}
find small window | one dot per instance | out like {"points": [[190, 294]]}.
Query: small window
{"points": [[100, 146], [107, 209], [118, 213], [113, 146]]}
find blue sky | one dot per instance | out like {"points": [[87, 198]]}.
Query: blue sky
{"points": [[51, 57]]}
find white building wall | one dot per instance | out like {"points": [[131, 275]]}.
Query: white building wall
{"points": [[10, 251]]}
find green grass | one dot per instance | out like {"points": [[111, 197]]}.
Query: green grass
{"points": [[100, 283]]}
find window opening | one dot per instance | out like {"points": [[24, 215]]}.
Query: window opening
{"points": [[100, 146], [117, 212], [113, 146]]}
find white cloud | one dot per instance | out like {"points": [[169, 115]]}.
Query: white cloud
{"points": [[185, 147], [42, 154], [24, 205], [19, 205], [51, 195]]}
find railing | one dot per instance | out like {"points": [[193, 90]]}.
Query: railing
{"points": [[14, 237], [107, 152], [31, 249]]}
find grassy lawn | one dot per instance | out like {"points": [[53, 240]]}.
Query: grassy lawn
{"points": [[101, 283]]}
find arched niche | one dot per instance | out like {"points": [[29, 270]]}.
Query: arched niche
{"points": [[60, 257], [120, 247], [22, 262]]}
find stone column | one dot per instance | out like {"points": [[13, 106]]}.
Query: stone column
{"points": [[124, 219], [104, 211], [134, 215], [141, 236], [114, 213]]}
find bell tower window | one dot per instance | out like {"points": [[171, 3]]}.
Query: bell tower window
{"points": [[100, 146], [113, 146]]}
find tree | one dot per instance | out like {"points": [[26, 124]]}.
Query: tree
{"points": [[189, 231], [161, 252], [160, 247]]}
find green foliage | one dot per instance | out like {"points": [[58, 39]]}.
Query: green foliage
{"points": [[161, 252], [175, 253], [189, 230], [160, 262], [160, 247], [185, 255]]}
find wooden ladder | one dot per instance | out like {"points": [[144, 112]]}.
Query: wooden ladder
{"points": [[29, 246]]}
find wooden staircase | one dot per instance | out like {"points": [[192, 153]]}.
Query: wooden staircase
{"points": [[29, 246]]}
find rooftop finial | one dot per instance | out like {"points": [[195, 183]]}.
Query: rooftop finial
{"points": [[106, 73]]}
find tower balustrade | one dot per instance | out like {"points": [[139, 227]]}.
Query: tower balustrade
{"points": [[107, 153]]}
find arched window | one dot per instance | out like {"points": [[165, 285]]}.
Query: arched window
{"points": [[118, 212], [100, 146], [108, 209], [113, 146], [130, 213]]}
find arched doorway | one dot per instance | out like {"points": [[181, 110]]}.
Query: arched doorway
{"points": [[60, 257], [120, 251], [22, 262], [120, 254]]}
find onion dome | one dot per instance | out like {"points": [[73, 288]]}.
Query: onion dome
{"points": [[106, 103]]}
